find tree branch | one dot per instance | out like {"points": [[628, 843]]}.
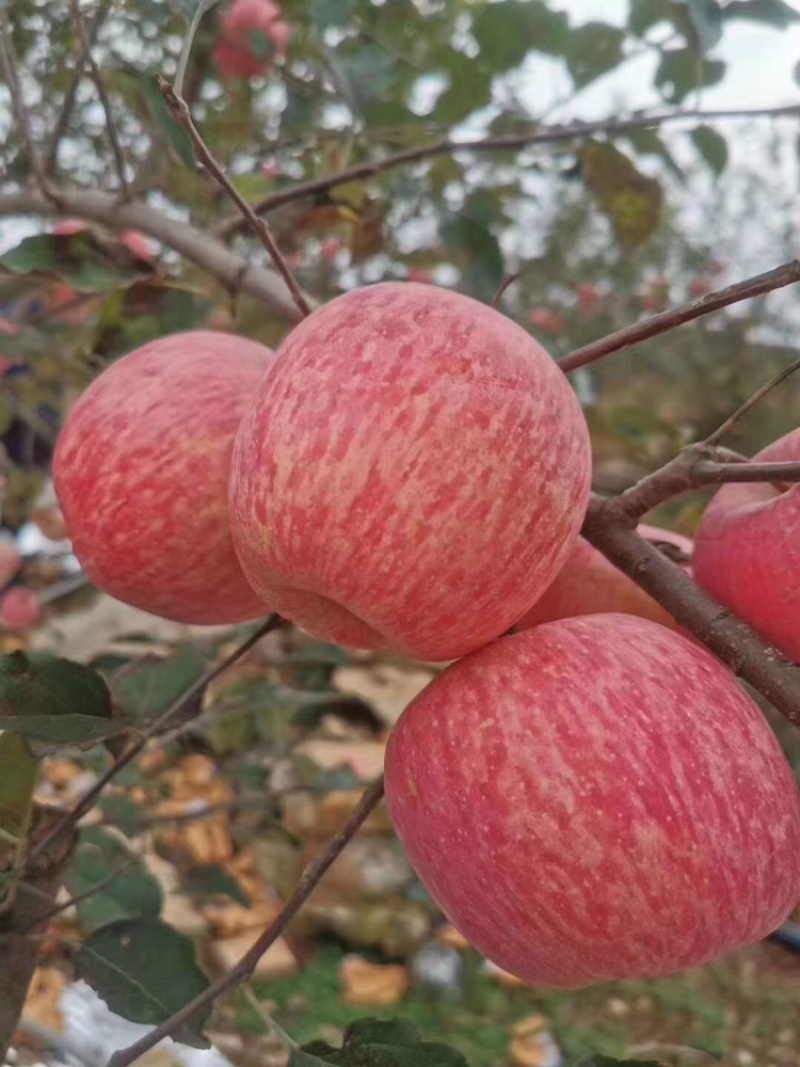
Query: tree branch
{"points": [[758, 395], [749, 656], [182, 114], [547, 135], [668, 320], [9, 67], [61, 126], [244, 968], [231, 270], [97, 78], [70, 820], [709, 472]]}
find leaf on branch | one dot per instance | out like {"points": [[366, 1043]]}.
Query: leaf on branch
{"points": [[507, 31], [712, 146], [326, 13], [86, 262], [55, 702], [773, 12], [632, 201], [18, 772], [147, 688], [159, 112], [592, 50], [470, 86], [388, 1043], [476, 253], [134, 893], [369, 72], [705, 17], [647, 142], [213, 881], [681, 72], [647, 13], [145, 971]]}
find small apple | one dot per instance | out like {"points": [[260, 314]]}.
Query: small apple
{"points": [[419, 274], [746, 555], [20, 609], [10, 329], [588, 298], [138, 245], [243, 28], [68, 227], [546, 320], [411, 473], [700, 286], [141, 473], [589, 584], [596, 799]]}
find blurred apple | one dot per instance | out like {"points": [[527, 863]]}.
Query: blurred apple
{"points": [[20, 609], [546, 320], [589, 300], [248, 29]]}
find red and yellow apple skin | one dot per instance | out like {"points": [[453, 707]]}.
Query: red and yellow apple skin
{"points": [[596, 799], [589, 584], [747, 552], [141, 473], [411, 474]]}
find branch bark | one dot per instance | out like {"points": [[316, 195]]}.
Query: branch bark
{"points": [[787, 274], [548, 135], [212, 256]]}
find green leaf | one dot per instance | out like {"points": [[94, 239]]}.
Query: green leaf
{"points": [[55, 702], [145, 689], [712, 146], [592, 50], [773, 12], [78, 258], [632, 201], [477, 253], [647, 13], [18, 773], [122, 812], [507, 31], [145, 971], [647, 142], [470, 87], [162, 116], [369, 71], [190, 8], [706, 20], [214, 881], [134, 893], [326, 13], [681, 72], [380, 1043]]}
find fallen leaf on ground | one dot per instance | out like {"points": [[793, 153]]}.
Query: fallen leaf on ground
{"points": [[373, 983], [42, 1003]]}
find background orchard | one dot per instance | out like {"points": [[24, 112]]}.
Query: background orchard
{"points": [[421, 140]]}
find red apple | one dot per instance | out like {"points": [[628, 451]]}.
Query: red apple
{"points": [[746, 554], [10, 329], [589, 584], [411, 474], [588, 298], [69, 227], [546, 320], [141, 473], [700, 286], [20, 609], [596, 799], [137, 244], [236, 53], [419, 274]]}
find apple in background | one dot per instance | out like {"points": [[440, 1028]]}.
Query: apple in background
{"points": [[546, 320], [68, 227], [141, 473], [588, 298], [419, 274], [700, 286], [589, 584], [10, 329], [596, 799], [20, 609], [236, 53], [747, 555], [138, 245], [410, 475]]}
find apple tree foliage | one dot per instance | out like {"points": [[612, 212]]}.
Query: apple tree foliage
{"points": [[594, 226]]}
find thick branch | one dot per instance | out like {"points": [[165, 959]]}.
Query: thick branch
{"points": [[180, 109], [747, 654], [546, 135], [71, 819], [668, 320], [246, 965], [709, 472], [210, 255]]}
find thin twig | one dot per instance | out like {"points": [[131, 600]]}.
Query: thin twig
{"points": [[97, 78], [759, 394], [266, 1018], [244, 968], [708, 471], [546, 135], [498, 296], [46, 916], [668, 320], [62, 125], [9, 67], [71, 818], [180, 109]]}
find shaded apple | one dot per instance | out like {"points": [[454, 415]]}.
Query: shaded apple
{"points": [[596, 799], [249, 30], [589, 584], [546, 320], [141, 474], [747, 555], [20, 609], [411, 474]]}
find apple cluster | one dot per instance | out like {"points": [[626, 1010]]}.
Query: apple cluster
{"points": [[586, 792]]}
